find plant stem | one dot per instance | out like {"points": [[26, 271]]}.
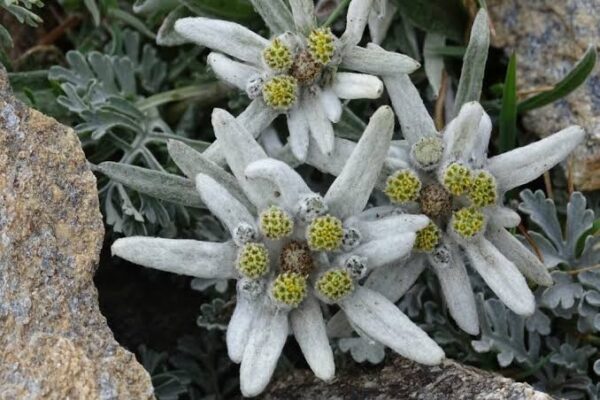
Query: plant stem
{"points": [[336, 12], [204, 92]]}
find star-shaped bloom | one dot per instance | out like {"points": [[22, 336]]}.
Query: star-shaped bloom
{"points": [[291, 249], [449, 177], [295, 72]]}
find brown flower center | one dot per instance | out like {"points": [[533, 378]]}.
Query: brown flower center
{"points": [[435, 201], [296, 257], [305, 68]]}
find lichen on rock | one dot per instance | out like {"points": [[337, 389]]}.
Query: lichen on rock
{"points": [[54, 342]]}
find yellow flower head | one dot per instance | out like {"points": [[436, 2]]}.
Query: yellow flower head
{"points": [[325, 233]]}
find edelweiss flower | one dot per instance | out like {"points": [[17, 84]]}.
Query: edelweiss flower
{"points": [[295, 71], [291, 247], [448, 177]]}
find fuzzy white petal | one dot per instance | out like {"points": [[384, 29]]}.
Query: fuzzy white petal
{"points": [[409, 107], [331, 104], [462, 133], [224, 36], [380, 20], [478, 156], [376, 61], [238, 329], [338, 326], [334, 162], [270, 141], [309, 330], [222, 204], [255, 119], [383, 321], [524, 164], [434, 62], [384, 251], [356, 21], [362, 168], [394, 280], [287, 182], [268, 334], [321, 129], [299, 133], [394, 224], [192, 163], [275, 13], [524, 260], [458, 293], [240, 149], [503, 216], [180, 256], [501, 275], [348, 85], [233, 72], [303, 12]]}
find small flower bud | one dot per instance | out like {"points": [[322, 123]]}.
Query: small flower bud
{"points": [[276, 223], [335, 284], [427, 152], [253, 260], [351, 239], [325, 233], [311, 207], [280, 92], [483, 190], [289, 289], [277, 56], [356, 266], [467, 222], [244, 233], [321, 44], [403, 186], [457, 179], [427, 238]]}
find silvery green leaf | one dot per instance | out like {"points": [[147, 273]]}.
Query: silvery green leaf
{"points": [[192, 163], [362, 349], [538, 322], [543, 213], [563, 294], [434, 63], [572, 357], [590, 254], [409, 107], [471, 78], [160, 185], [166, 35], [202, 284], [597, 367], [503, 332], [213, 315], [152, 6]]}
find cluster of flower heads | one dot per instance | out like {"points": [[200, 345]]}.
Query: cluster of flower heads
{"points": [[296, 72], [293, 251]]}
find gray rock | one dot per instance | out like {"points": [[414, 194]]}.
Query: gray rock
{"points": [[548, 37], [404, 379], [54, 342]]}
